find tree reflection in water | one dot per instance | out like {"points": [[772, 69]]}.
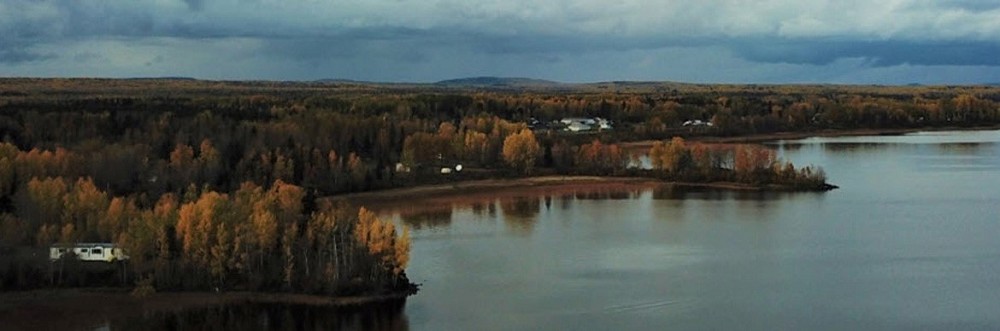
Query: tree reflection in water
{"points": [[607, 195], [674, 192], [429, 218], [520, 214], [478, 208], [273, 316]]}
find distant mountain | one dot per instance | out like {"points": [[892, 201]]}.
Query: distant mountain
{"points": [[161, 78], [488, 81], [341, 81]]}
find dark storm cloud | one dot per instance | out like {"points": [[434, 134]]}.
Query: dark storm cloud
{"points": [[332, 48], [970, 5], [466, 35], [195, 4], [14, 56], [877, 53], [765, 50]]}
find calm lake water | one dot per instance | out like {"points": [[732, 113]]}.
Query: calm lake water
{"points": [[911, 240]]}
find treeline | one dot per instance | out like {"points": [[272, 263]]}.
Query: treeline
{"points": [[155, 137], [741, 163], [256, 238], [322, 150], [677, 160]]}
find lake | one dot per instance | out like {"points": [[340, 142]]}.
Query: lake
{"points": [[909, 241]]}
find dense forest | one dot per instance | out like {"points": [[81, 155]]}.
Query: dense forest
{"points": [[215, 184]]}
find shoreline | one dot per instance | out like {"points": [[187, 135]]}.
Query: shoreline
{"points": [[422, 197], [75, 308], [426, 192], [775, 136], [492, 188]]}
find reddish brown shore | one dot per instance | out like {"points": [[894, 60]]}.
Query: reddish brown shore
{"points": [[435, 197], [85, 309], [491, 189]]}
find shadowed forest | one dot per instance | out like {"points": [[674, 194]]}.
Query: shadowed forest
{"points": [[213, 185]]}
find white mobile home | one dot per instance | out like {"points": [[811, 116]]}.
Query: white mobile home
{"points": [[577, 127], [99, 252], [581, 120]]}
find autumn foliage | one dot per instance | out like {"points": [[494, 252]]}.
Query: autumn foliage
{"points": [[520, 150], [214, 184], [255, 238], [740, 163]]}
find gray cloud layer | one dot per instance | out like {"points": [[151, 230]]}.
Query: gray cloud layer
{"points": [[784, 40]]}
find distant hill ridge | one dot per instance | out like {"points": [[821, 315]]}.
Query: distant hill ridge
{"points": [[343, 81], [497, 81], [162, 78]]}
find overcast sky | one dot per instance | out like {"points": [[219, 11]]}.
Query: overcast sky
{"points": [[713, 41]]}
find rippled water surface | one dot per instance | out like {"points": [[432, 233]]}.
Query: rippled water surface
{"points": [[911, 240]]}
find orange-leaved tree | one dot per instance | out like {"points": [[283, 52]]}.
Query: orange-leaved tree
{"points": [[520, 150]]}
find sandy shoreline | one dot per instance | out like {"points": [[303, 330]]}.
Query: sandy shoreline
{"points": [[84, 309]]}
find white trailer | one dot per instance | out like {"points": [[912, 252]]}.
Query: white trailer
{"points": [[97, 252]]}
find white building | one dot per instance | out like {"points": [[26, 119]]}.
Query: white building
{"points": [[696, 123], [584, 121], [577, 127], [579, 124], [100, 252], [603, 124]]}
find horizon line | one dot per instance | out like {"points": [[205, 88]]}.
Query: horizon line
{"points": [[455, 81]]}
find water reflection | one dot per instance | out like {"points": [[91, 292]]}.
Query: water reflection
{"points": [[677, 192], [967, 148], [527, 207], [787, 146], [272, 316], [479, 208], [565, 202], [520, 214], [606, 195], [853, 147], [896, 247], [433, 218]]}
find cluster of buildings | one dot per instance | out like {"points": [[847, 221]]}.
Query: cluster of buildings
{"points": [[580, 124], [583, 124], [696, 123]]}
